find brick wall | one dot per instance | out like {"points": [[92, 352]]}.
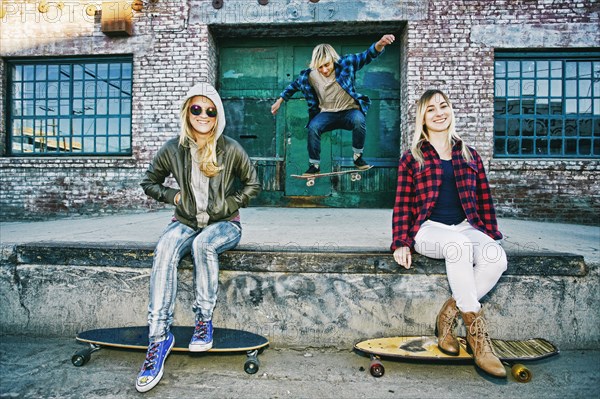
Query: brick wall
{"points": [[446, 44], [547, 190], [168, 57], [453, 49]]}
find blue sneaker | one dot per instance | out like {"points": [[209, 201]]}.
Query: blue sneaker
{"points": [[202, 339], [152, 369]]}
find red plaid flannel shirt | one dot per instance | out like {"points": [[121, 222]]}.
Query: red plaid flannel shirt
{"points": [[418, 190]]}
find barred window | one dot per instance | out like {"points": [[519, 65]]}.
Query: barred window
{"points": [[547, 105], [69, 106]]}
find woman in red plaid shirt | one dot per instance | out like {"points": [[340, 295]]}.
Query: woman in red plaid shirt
{"points": [[444, 210]]}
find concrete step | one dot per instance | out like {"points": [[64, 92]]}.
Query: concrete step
{"points": [[296, 296], [288, 260]]}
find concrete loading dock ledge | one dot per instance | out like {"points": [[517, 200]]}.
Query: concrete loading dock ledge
{"points": [[316, 289]]}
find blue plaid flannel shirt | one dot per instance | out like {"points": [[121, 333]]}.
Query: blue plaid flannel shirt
{"points": [[345, 73]]}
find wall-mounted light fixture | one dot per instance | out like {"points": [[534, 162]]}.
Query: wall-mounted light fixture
{"points": [[137, 5], [116, 18], [90, 10]]}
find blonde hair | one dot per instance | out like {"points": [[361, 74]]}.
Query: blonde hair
{"points": [[322, 54], [206, 156], [420, 135]]}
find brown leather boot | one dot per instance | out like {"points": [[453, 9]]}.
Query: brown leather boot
{"points": [[444, 328], [481, 346]]}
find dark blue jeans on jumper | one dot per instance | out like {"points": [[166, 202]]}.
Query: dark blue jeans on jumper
{"points": [[352, 119]]}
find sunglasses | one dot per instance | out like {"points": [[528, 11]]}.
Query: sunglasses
{"points": [[196, 110]]}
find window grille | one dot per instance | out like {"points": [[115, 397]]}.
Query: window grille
{"points": [[69, 106], [547, 105]]}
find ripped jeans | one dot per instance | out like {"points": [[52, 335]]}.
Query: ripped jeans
{"points": [[205, 246], [474, 261]]}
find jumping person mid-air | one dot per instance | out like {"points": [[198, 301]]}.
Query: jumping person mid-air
{"points": [[333, 103]]}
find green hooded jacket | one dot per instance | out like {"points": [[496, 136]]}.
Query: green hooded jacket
{"points": [[226, 195]]}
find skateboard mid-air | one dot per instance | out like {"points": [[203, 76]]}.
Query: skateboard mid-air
{"points": [[425, 348], [224, 340], [354, 175]]}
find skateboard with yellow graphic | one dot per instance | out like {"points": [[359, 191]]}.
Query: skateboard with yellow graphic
{"points": [[425, 348], [224, 340]]}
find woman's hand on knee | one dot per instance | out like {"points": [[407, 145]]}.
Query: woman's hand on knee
{"points": [[402, 257]]}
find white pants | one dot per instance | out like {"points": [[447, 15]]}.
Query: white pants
{"points": [[474, 261]]}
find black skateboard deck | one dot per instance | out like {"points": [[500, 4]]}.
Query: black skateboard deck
{"points": [[424, 348], [224, 340]]}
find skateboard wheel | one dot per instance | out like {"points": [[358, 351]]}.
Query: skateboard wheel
{"points": [[521, 373], [81, 358], [310, 182], [252, 365], [376, 369]]}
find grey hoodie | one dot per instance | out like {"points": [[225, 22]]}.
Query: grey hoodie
{"points": [[207, 90], [200, 182]]}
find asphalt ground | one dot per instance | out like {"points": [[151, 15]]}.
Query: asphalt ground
{"points": [[41, 368]]}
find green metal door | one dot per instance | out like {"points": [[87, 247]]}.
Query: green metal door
{"points": [[252, 73], [295, 118]]}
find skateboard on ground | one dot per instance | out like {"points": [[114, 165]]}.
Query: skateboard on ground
{"points": [[354, 175], [425, 349], [224, 340]]}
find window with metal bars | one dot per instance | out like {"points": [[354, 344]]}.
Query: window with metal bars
{"points": [[547, 105], [69, 106]]}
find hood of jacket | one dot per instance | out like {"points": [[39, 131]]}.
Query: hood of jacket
{"points": [[207, 90]]}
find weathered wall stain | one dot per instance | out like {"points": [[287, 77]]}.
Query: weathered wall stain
{"points": [[298, 310]]}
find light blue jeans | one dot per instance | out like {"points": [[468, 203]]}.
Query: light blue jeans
{"points": [[205, 246]]}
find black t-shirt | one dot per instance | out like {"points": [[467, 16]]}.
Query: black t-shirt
{"points": [[448, 209]]}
